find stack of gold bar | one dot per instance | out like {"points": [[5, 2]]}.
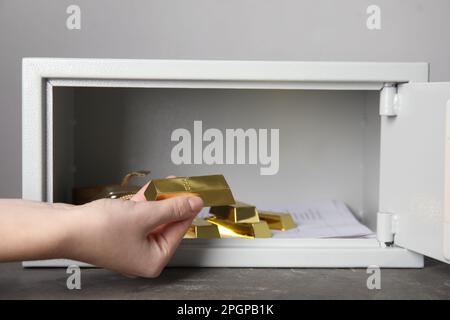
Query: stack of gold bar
{"points": [[200, 228], [239, 220], [277, 220], [229, 218]]}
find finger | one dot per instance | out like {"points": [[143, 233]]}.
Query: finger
{"points": [[140, 195], [170, 236], [157, 213]]}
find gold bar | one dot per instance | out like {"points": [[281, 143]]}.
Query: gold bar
{"points": [[244, 230], [201, 228], [237, 213], [213, 190], [277, 220]]}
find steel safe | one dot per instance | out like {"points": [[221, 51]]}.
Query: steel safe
{"points": [[374, 135]]}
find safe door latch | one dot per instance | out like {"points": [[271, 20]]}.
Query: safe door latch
{"points": [[389, 100], [386, 227]]}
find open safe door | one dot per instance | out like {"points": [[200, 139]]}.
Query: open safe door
{"points": [[415, 168]]}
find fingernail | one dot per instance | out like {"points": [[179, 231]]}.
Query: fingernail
{"points": [[196, 203]]}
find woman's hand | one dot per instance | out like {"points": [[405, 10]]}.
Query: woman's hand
{"points": [[135, 237]]}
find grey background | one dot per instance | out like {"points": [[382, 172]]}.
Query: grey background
{"points": [[324, 30]]}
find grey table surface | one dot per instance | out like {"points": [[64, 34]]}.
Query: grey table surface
{"points": [[432, 282]]}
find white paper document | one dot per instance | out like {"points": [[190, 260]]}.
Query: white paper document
{"points": [[322, 219]]}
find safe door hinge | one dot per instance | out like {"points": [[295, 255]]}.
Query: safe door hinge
{"points": [[386, 227], [389, 100]]}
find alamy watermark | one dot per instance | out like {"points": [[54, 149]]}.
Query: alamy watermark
{"points": [[235, 146], [374, 280], [73, 21], [74, 280], [373, 21]]}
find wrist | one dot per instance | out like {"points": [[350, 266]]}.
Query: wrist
{"points": [[68, 232], [78, 234]]}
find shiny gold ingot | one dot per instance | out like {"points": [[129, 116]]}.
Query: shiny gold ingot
{"points": [[277, 220], [237, 213], [245, 230], [201, 228], [213, 190]]}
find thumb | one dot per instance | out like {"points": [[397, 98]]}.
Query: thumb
{"points": [[170, 210], [140, 195]]}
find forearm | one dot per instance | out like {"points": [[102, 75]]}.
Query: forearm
{"points": [[33, 230], [133, 237]]}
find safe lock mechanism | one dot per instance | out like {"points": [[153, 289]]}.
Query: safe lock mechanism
{"points": [[389, 100]]}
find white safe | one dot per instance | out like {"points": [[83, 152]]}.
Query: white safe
{"points": [[374, 135]]}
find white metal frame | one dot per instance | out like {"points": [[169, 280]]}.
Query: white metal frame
{"points": [[40, 75]]}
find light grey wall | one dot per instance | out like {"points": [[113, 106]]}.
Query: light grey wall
{"points": [[209, 29]]}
